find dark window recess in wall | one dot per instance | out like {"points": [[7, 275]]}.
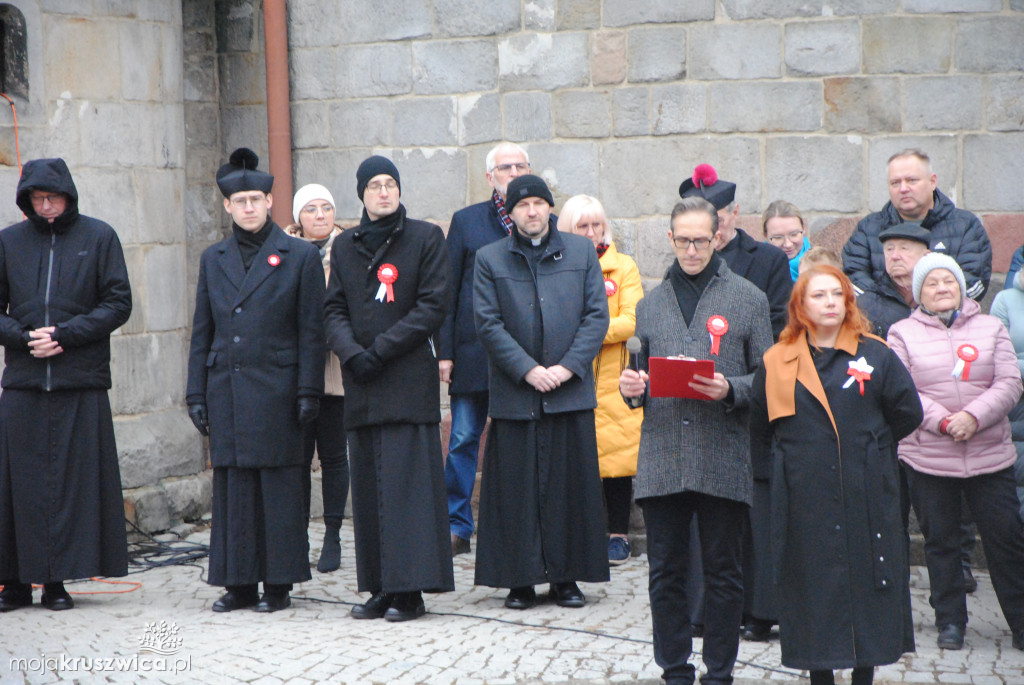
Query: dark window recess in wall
{"points": [[14, 52]]}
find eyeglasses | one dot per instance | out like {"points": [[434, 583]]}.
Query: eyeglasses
{"points": [[792, 236], [254, 200], [375, 186], [40, 199], [521, 167], [699, 243]]}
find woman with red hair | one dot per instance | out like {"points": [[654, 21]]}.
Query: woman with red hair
{"points": [[827, 409]]}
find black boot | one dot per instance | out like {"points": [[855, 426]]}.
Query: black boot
{"points": [[405, 607], [56, 598], [15, 595], [330, 553]]}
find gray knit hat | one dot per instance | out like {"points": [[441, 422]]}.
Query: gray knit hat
{"points": [[937, 260]]}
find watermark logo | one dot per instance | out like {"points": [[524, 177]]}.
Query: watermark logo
{"points": [[161, 638]]}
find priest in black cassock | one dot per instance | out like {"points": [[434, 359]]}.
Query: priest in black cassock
{"points": [[63, 290]]}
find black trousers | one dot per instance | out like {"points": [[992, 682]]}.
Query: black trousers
{"points": [[721, 523], [326, 436], [992, 499], [618, 500]]}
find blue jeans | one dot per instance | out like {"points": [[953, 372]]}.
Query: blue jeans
{"points": [[469, 414]]}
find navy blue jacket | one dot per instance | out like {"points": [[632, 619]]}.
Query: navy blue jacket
{"points": [[955, 232], [471, 228]]}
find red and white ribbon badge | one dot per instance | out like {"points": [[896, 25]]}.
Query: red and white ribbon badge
{"points": [[386, 274], [859, 371], [610, 287], [273, 260], [717, 327], [966, 354]]}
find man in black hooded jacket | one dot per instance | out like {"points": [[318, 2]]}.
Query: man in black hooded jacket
{"points": [[63, 290]]}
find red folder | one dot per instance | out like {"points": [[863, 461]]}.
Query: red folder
{"points": [[671, 377]]}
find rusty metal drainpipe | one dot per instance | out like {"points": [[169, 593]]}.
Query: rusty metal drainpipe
{"points": [[279, 134]]}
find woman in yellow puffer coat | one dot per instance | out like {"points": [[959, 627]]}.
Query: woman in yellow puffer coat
{"points": [[618, 426]]}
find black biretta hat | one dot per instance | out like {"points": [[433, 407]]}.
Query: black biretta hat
{"points": [[240, 174], [706, 184]]}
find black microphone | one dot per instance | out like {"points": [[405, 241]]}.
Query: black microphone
{"points": [[633, 346]]}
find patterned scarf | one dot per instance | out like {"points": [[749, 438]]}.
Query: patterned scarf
{"points": [[506, 221]]}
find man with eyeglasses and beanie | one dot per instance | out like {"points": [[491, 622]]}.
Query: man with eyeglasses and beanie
{"points": [[763, 264], [386, 299], [541, 313], [463, 361], [694, 460], [255, 376], [63, 290]]}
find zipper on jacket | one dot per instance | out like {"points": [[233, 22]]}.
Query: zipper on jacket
{"points": [[46, 301], [956, 384]]}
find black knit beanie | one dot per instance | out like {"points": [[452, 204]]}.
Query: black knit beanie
{"points": [[522, 187], [374, 166]]}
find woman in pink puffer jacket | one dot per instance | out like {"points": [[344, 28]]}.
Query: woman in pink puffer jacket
{"points": [[965, 370]]}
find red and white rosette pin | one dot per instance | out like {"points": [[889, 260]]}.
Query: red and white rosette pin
{"points": [[966, 354], [859, 371], [386, 274], [610, 287], [717, 327], [273, 260]]}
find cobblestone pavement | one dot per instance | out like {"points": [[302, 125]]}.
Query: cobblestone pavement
{"points": [[467, 637]]}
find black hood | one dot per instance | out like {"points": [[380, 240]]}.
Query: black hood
{"points": [[51, 175]]}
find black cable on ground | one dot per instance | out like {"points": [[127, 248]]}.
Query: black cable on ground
{"points": [[153, 553]]}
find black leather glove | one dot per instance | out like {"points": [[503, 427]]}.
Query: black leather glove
{"points": [[364, 366], [309, 408], [200, 418]]}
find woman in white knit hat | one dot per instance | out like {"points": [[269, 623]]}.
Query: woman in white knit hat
{"points": [[965, 370], [313, 211]]}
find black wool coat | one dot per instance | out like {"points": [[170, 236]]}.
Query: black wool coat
{"points": [[839, 552], [407, 389], [257, 346]]}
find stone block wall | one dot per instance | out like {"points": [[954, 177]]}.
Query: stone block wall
{"points": [[799, 100], [106, 93]]}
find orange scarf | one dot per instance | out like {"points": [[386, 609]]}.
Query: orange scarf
{"points": [[787, 363]]}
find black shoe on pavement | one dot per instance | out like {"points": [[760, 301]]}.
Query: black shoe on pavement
{"points": [[406, 606], [951, 636], [56, 598], [237, 598], [970, 584], [375, 607], [521, 598], [273, 600], [757, 630], [1018, 640], [15, 595], [460, 545], [567, 595]]}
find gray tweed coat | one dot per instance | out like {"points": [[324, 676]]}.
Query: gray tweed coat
{"points": [[700, 445]]}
